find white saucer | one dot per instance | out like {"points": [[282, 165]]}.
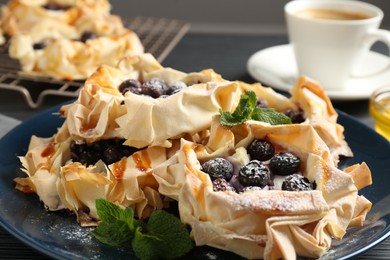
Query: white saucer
{"points": [[275, 67]]}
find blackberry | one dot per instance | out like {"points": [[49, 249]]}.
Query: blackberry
{"points": [[87, 36], [296, 116], [284, 163], [221, 184], [56, 7], [261, 150], [254, 173], [39, 45], [154, 87], [297, 182], [109, 151], [112, 154], [132, 85], [175, 88], [218, 168], [87, 157], [262, 103]]}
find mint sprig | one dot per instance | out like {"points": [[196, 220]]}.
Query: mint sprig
{"points": [[247, 110], [163, 236]]}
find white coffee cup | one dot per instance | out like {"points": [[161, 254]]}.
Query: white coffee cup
{"points": [[330, 38]]}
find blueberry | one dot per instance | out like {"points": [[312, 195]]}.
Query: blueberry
{"points": [[295, 115], [297, 182], [39, 45], [284, 163], [132, 85], [261, 150], [254, 173], [262, 103], [221, 184], [218, 168], [87, 36], [176, 87], [154, 87]]}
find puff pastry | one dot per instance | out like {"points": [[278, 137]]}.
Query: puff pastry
{"points": [[172, 135]]}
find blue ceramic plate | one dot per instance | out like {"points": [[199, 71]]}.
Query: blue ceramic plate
{"points": [[57, 234]]}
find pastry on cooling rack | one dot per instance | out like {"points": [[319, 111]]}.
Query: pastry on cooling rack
{"points": [[141, 134], [72, 59], [66, 40], [264, 191], [20, 16]]}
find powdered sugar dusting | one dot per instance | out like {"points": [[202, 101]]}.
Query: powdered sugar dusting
{"points": [[278, 202]]}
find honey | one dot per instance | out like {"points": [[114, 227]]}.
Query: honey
{"points": [[379, 109]]}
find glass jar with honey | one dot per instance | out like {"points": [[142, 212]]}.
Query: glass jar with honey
{"points": [[379, 109]]}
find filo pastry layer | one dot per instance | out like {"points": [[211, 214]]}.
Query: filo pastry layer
{"points": [[269, 224], [20, 16]]}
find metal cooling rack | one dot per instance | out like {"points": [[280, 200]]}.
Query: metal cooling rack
{"points": [[159, 36]]}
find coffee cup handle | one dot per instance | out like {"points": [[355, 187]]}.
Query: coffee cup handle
{"points": [[378, 35]]}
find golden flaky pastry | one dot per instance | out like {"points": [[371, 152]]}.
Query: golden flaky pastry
{"points": [[268, 223], [66, 39], [102, 112], [70, 59], [20, 16], [160, 135], [63, 183], [201, 101]]}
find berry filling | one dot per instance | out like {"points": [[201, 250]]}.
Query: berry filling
{"points": [[297, 182], [39, 45], [56, 7], [87, 36], [218, 168], [260, 150], [155, 87], [284, 163], [295, 115], [109, 151], [266, 170]]}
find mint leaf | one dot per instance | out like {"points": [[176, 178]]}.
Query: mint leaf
{"points": [[270, 116], [163, 236], [146, 246], [110, 213], [115, 234], [117, 226], [242, 112], [247, 110], [174, 236]]}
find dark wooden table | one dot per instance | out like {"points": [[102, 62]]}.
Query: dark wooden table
{"points": [[227, 55]]}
